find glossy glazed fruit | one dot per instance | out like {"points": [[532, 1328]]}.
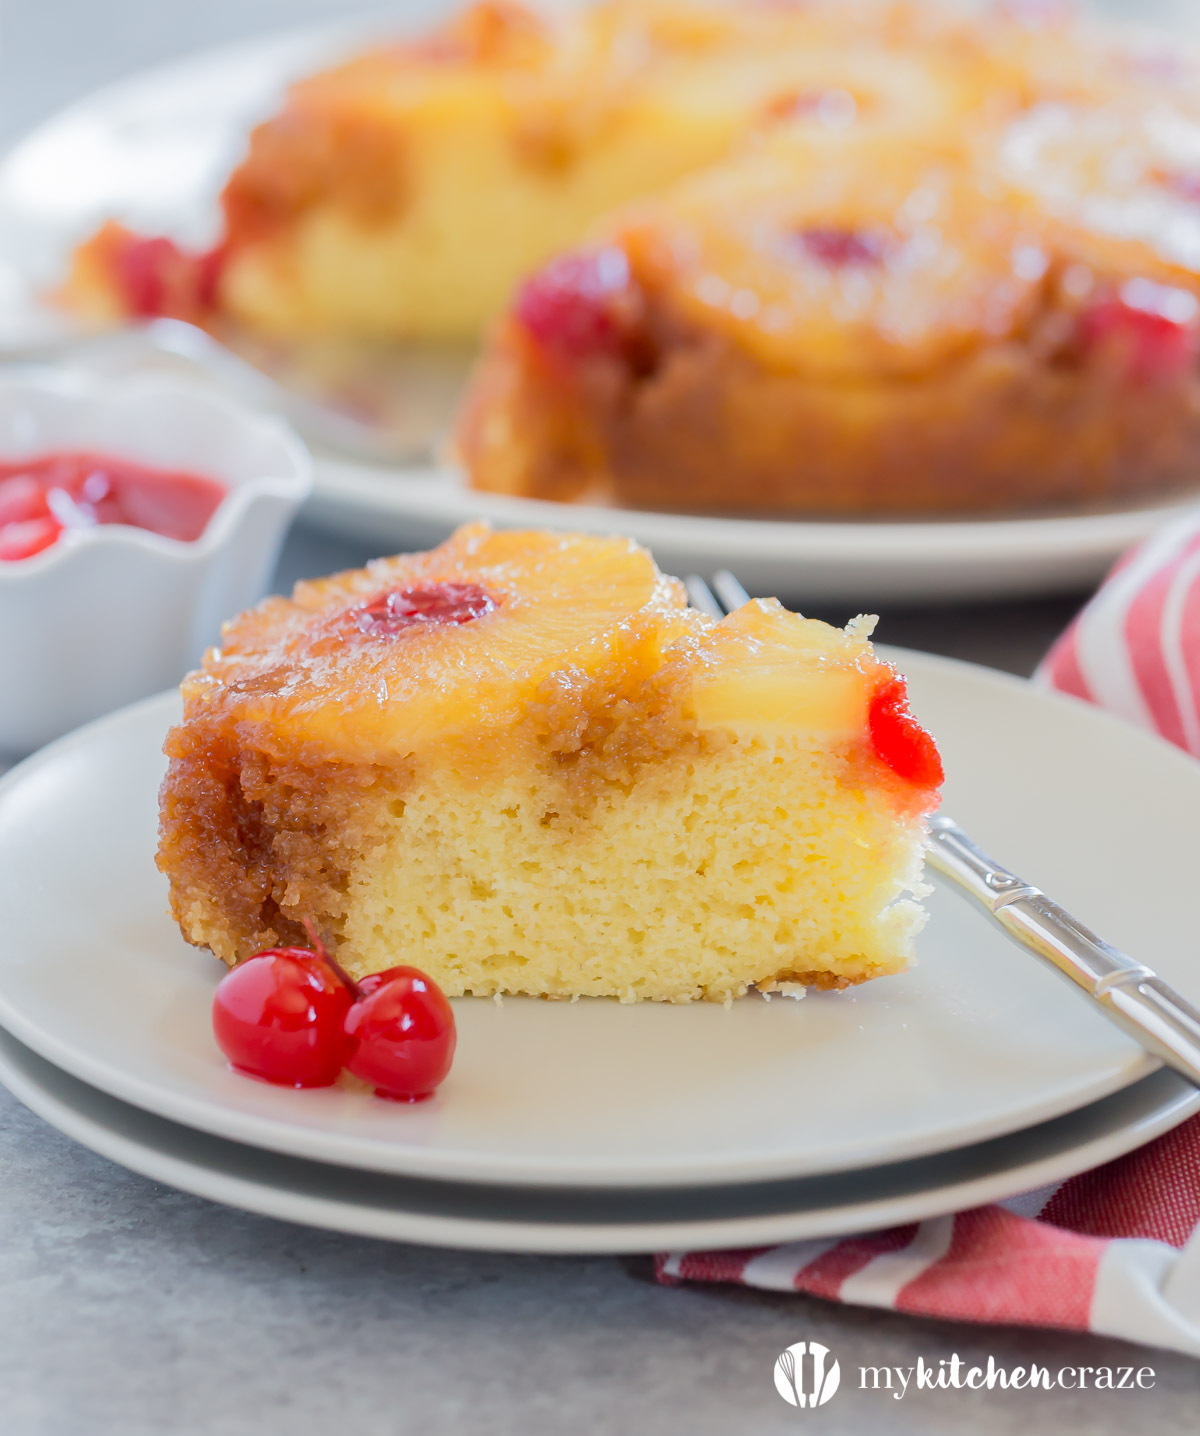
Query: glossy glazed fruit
{"points": [[280, 1016], [514, 609], [402, 1032], [401, 608], [1153, 330], [899, 740], [154, 277], [839, 247], [571, 308], [862, 258]]}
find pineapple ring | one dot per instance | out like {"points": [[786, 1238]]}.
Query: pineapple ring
{"points": [[303, 670], [1118, 185], [924, 271]]}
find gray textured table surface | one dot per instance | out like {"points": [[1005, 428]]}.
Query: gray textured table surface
{"points": [[128, 1309]]}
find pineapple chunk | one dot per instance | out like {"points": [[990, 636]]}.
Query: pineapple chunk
{"points": [[764, 669]]}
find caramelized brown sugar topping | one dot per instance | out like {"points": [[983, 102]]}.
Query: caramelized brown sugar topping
{"points": [[452, 648]]}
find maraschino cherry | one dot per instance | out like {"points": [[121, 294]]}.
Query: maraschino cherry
{"points": [[837, 247], [403, 1033], [280, 1015], [292, 1016], [423, 603], [572, 307], [899, 740], [1153, 328]]}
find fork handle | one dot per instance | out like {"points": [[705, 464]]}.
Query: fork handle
{"points": [[1131, 994]]}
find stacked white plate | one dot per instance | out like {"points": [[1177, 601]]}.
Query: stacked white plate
{"points": [[599, 1127]]}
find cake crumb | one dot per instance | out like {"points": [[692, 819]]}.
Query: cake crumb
{"points": [[862, 626], [783, 989]]}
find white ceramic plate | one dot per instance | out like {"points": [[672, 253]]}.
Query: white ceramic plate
{"points": [[154, 151], [514, 1219], [977, 1040], [861, 563]]}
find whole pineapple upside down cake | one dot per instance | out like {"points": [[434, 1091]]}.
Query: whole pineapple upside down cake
{"points": [[522, 763]]}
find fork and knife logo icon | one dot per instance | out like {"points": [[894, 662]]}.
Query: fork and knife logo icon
{"points": [[806, 1374]]}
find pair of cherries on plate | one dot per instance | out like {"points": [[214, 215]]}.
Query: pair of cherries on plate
{"points": [[291, 1016]]}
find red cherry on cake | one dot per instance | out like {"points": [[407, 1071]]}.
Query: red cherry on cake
{"points": [[154, 276], [839, 248], [280, 1015], [1154, 327], [144, 269], [899, 740], [452, 603], [570, 307], [402, 1033]]}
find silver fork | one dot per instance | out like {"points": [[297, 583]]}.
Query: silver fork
{"points": [[1128, 992]]}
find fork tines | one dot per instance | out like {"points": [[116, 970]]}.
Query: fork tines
{"points": [[729, 593]]}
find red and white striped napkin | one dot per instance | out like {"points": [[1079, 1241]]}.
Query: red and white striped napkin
{"points": [[1135, 648], [1115, 1250]]}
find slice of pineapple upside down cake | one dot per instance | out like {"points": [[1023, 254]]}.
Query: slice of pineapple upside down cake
{"points": [[521, 763]]}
